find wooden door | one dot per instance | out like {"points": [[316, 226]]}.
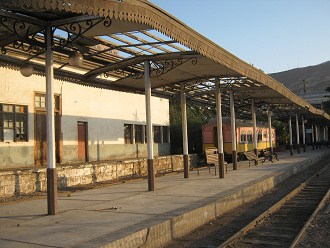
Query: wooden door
{"points": [[40, 148], [82, 142], [40, 138]]}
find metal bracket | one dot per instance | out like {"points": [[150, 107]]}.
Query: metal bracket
{"points": [[158, 68], [29, 36]]}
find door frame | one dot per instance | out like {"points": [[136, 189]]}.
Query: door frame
{"points": [[58, 125], [85, 123]]}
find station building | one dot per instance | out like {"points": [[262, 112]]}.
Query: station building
{"points": [[91, 124]]}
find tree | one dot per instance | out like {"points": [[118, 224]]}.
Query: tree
{"points": [[197, 116]]}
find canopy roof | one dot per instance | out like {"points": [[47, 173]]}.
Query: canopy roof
{"points": [[117, 36]]}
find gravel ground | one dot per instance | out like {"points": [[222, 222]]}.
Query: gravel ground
{"points": [[220, 229], [317, 233]]}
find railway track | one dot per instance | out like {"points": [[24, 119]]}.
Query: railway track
{"points": [[283, 223]]}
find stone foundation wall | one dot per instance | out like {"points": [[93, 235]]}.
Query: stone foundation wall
{"points": [[27, 181]]}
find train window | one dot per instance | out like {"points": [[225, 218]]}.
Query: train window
{"points": [[243, 136], [265, 134], [249, 136], [259, 136]]}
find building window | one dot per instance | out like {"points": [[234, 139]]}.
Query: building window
{"points": [[13, 122], [128, 133], [139, 134], [157, 134], [259, 136], [40, 102], [165, 134]]}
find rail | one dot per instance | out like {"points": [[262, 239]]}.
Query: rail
{"points": [[306, 198]]}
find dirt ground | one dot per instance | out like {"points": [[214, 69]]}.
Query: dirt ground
{"points": [[318, 232], [223, 227]]}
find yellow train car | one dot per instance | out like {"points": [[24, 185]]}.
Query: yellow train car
{"points": [[244, 135]]}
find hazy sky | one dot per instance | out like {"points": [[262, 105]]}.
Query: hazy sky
{"points": [[273, 35]]}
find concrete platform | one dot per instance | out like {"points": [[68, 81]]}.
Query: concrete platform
{"points": [[127, 215]]}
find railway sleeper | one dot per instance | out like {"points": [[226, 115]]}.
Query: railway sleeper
{"points": [[275, 235], [261, 242]]}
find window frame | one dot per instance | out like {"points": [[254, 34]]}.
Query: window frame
{"points": [[249, 137], [165, 134], [243, 137], [57, 102], [17, 116], [139, 136], [128, 138], [157, 134]]}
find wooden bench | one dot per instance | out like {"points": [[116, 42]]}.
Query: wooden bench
{"points": [[211, 155], [251, 156], [267, 154]]}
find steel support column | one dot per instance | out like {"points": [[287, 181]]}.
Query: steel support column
{"points": [[298, 138], [50, 120], [219, 129], [184, 131], [290, 134], [255, 135], [316, 136], [269, 113], [233, 130], [151, 169], [303, 133], [313, 137]]}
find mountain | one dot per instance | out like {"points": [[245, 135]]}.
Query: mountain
{"points": [[317, 78]]}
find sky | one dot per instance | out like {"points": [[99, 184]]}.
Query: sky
{"points": [[273, 35]]}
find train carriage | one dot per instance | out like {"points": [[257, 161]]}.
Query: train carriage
{"points": [[244, 136]]}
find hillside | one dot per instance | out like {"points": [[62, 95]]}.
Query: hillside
{"points": [[317, 78]]}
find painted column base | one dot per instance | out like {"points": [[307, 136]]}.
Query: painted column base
{"points": [[291, 150], [234, 160], [305, 146], [298, 148], [151, 175], [52, 191], [221, 158], [186, 166]]}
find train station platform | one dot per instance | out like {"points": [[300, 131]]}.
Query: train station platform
{"points": [[127, 215]]}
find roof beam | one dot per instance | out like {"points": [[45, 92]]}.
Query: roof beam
{"points": [[137, 60]]}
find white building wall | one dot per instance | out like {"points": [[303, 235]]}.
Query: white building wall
{"points": [[105, 111]]}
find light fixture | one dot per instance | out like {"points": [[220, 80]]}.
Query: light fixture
{"points": [[76, 59], [26, 69]]}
